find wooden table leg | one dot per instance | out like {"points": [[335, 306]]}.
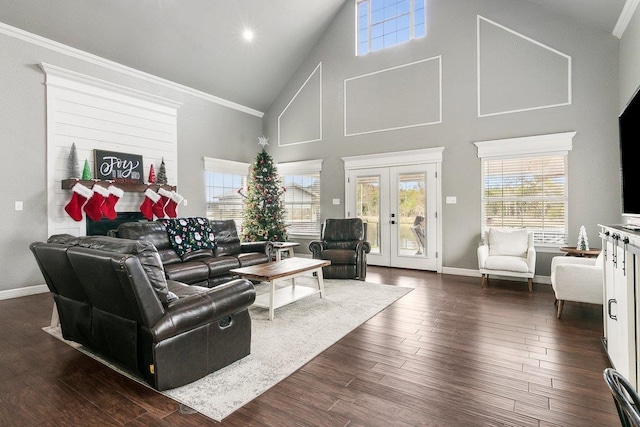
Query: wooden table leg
{"points": [[272, 299], [55, 318], [320, 282]]}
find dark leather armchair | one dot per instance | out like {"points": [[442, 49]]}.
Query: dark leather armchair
{"points": [[343, 243]]}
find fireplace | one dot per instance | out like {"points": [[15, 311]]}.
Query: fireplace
{"points": [[102, 227]]}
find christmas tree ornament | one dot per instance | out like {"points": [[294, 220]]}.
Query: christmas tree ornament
{"points": [[264, 210], [80, 195], [74, 169], [158, 207], [150, 198], [152, 175], [86, 171], [93, 207], [172, 205], [162, 173], [109, 205], [583, 241]]}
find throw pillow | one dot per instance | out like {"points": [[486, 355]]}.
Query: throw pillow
{"points": [[508, 242], [189, 234]]}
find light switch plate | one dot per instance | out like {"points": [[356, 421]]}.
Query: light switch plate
{"points": [[336, 201], [18, 206], [451, 200]]}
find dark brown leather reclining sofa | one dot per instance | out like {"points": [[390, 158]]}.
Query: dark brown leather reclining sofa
{"points": [[204, 267], [112, 296]]}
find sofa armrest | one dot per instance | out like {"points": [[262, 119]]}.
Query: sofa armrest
{"points": [[316, 247], [263, 247], [202, 308], [483, 254], [363, 247]]}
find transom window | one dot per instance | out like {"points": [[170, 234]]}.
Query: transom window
{"points": [[302, 198], [524, 185], [385, 23]]}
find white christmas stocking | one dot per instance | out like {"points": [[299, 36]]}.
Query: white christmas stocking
{"points": [[150, 199], [109, 205], [93, 207], [79, 197], [172, 204]]}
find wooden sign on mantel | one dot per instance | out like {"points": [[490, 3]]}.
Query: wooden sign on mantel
{"points": [[118, 167]]}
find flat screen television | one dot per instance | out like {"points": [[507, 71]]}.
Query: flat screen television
{"points": [[629, 123]]}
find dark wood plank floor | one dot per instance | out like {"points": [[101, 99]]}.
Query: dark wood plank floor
{"points": [[448, 354]]}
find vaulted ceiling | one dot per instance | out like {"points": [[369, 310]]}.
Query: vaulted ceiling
{"points": [[198, 43]]}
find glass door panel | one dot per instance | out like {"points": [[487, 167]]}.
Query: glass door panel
{"points": [[368, 208]]}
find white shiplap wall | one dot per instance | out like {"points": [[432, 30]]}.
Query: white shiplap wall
{"points": [[96, 114]]}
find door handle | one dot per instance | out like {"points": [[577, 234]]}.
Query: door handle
{"points": [[609, 303]]}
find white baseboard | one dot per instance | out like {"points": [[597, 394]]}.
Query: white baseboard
{"points": [[23, 292]]}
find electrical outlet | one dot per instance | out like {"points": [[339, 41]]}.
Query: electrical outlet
{"points": [[451, 200], [184, 202], [18, 205], [336, 201]]}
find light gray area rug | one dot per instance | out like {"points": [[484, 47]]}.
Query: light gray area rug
{"points": [[299, 332]]}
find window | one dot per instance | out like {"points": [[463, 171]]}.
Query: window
{"points": [[524, 185], [302, 198], [223, 179], [384, 23]]}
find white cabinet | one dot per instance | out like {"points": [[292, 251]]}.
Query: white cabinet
{"points": [[621, 323]]}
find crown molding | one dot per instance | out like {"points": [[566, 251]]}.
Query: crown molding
{"points": [[123, 69], [625, 17]]}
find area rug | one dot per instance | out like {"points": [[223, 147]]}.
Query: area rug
{"points": [[299, 332]]}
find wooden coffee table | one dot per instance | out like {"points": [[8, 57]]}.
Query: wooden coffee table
{"points": [[278, 271]]}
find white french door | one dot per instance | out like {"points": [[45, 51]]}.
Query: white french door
{"points": [[391, 200]]}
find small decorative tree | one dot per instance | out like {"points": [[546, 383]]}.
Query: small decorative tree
{"points": [[152, 175], [74, 168], [86, 171], [583, 241], [264, 202], [162, 173]]}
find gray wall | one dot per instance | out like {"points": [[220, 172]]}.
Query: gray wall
{"points": [[630, 60], [594, 195], [204, 129]]}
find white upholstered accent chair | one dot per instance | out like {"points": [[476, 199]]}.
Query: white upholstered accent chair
{"points": [[577, 279], [507, 252]]}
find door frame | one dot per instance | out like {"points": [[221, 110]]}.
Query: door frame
{"points": [[401, 158]]}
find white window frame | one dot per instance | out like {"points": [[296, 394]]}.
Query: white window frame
{"points": [[370, 24], [558, 144], [306, 167], [226, 167]]}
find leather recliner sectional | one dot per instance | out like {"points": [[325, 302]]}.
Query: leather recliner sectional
{"points": [[203, 267], [112, 296]]}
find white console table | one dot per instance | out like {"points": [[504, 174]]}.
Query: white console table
{"points": [[622, 299]]}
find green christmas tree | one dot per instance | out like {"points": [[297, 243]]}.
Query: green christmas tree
{"points": [[86, 171], [264, 203]]}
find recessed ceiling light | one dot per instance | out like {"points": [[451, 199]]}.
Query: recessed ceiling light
{"points": [[247, 34]]}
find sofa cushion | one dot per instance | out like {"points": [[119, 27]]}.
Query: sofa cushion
{"points": [[339, 256], [252, 258], [146, 253], [189, 234], [219, 266], [507, 263], [189, 272], [149, 231], [508, 242]]}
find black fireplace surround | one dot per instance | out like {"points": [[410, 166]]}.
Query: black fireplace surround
{"points": [[102, 227]]}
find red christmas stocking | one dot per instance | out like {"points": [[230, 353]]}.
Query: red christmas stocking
{"points": [[172, 204], [93, 207], [158, 207], [78, 199], [150, 198], [109, 205]]}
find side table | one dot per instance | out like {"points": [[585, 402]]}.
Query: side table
{"points": [[573, 251], [281, 247]]}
